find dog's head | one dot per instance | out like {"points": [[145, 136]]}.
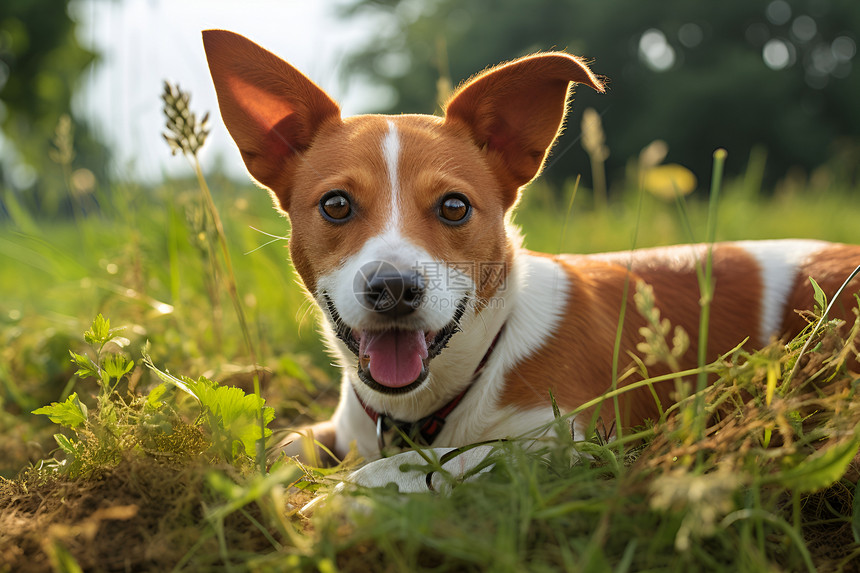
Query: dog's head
{"points": [[398, 222]]}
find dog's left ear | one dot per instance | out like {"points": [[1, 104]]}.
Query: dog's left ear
{"points": [[515, 111]]}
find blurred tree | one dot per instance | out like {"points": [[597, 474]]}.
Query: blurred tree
{"points": [[41, 63], [699, 75]]}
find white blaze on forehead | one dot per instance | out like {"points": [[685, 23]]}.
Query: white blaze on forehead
{"points": [[391, 154]]}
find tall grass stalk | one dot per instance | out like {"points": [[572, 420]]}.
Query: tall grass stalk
{"points": [[706, 286], [706, 289], [63, 154], [705, 279], [567, 215], [616, 349], [594, 143], [188, 135]]}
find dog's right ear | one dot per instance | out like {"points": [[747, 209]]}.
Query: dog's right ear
{"points": [[271, 110]]}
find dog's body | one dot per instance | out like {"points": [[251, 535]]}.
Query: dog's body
{"points": [[442, 323]]}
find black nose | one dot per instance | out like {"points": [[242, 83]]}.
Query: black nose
{"points": [[393, 292]]}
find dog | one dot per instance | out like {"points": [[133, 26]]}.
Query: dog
{"points": [[447, 330]]}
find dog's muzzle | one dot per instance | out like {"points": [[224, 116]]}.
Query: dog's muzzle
{"points": [[393, 359]]}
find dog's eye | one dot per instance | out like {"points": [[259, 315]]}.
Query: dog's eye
{"points": [[335, 206], [454, 209]]}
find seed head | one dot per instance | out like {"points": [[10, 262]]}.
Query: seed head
{"points": [[593, 137], [185, 132]]}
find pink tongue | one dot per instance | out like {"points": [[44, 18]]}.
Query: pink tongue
{"points": [[396, 356]]}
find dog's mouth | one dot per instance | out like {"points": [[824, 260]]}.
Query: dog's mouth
{"points": [[395, 360]]}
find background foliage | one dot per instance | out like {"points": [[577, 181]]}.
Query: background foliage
{"points": [[690, 73], [41, 67]]}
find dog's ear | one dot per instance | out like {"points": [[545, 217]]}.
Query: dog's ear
{"points": [[271, 109], [515, 112]]}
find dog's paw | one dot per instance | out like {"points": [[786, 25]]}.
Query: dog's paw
{"points": [[410, 472]]}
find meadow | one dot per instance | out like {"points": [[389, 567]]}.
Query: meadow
{"points": [[155, 465]]}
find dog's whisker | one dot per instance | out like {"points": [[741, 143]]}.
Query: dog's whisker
{"points": [[276, 237]]}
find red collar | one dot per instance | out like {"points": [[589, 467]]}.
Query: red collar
{"points": [[424, 431]]}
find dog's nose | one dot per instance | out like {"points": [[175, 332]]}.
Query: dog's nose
{"points": [[392, 292]]}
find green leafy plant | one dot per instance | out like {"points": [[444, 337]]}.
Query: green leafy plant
{"points": [[193, 459], [229, 416], [71, 413], [225, 424], [100, 436]]}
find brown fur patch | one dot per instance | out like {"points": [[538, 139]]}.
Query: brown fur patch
{"points": [[576, 362]]}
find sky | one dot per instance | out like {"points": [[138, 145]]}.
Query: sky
{"points": [[144, 42]]}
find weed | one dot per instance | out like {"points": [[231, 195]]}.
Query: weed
{"points": [[188, 135], [226, 425], [139, 452]]}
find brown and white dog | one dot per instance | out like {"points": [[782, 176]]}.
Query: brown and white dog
{"points": [[443, 325]]}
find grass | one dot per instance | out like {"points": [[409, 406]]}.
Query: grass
{"points": [[157, 473]]}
